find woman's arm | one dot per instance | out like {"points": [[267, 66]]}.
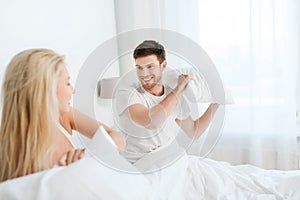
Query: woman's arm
{"points": [[88, 127]]}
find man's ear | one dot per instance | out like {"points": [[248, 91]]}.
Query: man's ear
{"points": [[164, 64]]}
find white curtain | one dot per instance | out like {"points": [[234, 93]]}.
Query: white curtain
{"points": [[254, 45]]}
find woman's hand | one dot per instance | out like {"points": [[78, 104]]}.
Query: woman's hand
{"points": [[71, 156]]}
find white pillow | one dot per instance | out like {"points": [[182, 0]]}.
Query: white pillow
{"points": [[197, 89]]}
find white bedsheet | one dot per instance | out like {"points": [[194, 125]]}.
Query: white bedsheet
{"points": [[190, 177], [223, 181], [220, 180], [93, 177], [85, 179]]}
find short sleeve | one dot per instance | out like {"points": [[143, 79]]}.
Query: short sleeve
{"points": [[183, 108], [126, 97]]}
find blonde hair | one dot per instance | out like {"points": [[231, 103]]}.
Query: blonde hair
{"points": [[29, 113]]}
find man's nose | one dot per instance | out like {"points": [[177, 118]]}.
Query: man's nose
{"points": [[145, 72]]}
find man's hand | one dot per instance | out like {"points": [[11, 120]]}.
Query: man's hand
{"points": [[183, 81], [71, 156]]}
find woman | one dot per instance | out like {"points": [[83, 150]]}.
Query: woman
{"points": [[35, 96], [71, 119]]}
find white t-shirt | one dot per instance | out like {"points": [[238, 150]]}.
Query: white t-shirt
{"points": [[139, 139]]}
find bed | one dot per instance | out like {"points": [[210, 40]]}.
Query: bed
{"points": [[93, 177], [104, 174]]}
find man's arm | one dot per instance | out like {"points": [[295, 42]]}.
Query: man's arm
{"points": [[194, 129], [153, 118]]}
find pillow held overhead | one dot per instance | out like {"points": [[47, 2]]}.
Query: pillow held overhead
{"points": [[197, 90]]}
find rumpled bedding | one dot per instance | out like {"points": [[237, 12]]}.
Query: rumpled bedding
{"points": [[193, 177], [166, 174], [92, 177]]}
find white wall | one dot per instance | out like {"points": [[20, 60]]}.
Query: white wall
{"points": [[73, 28]]}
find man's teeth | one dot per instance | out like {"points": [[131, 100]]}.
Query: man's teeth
{"points": [[147, 79]]}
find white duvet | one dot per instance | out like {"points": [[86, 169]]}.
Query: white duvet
{"points": [[189, 177], [89, 178], [192, 177], [196, 178]]}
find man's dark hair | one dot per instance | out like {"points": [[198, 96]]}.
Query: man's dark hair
{"points": [[150, 47]]}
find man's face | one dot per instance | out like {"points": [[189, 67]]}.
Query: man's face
{"points": [[149, 72]]}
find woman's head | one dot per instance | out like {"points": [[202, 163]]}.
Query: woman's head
{"points": [[32, 77], [30, 111]]}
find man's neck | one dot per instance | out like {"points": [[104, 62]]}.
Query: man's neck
{"points": [[157, 90]]}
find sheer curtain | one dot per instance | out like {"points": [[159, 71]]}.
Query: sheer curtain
{"points": [[254, 45]]}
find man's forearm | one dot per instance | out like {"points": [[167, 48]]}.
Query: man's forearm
{"points": [[201, 124], [159, 113]]}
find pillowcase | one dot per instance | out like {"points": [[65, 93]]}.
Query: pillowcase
{"points": [[197, 90]]}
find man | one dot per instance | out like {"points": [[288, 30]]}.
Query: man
{"points": [[149, 111]]}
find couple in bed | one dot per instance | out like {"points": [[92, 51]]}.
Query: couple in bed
{"points": [[36, 94]]}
